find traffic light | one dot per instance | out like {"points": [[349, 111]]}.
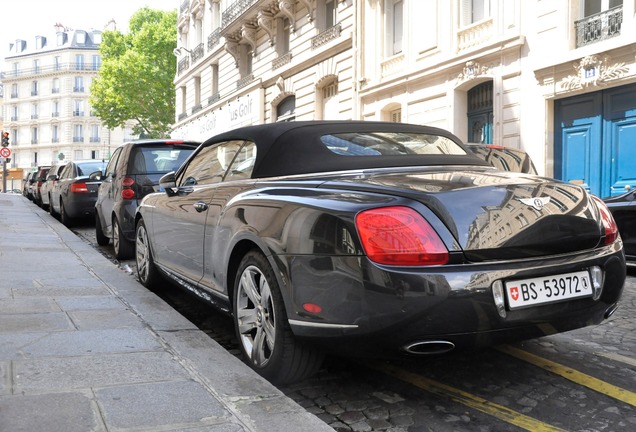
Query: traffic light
{"points": [[5, 139]]}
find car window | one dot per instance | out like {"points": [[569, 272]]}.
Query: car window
{"points": [[110, 168], [158, 159], [390, 143], [86, 168], [243, 163], [210, 164], [66, 172]]}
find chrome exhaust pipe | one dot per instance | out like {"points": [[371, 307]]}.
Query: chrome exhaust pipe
{"points": [[610, 311], [431, 347]]}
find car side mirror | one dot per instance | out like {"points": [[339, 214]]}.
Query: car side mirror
{"points": [[96, 176], [168, 183]]}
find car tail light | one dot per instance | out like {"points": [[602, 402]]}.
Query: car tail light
{"points": [[609, 224], [127, 191], [79, 188], [399, 236]]}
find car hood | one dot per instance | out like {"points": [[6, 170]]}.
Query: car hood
{"points": [[494, 214]]}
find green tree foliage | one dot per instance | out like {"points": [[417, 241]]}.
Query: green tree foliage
{"points": [[135, 80]]}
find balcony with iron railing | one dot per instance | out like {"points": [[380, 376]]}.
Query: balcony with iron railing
{"points": [[78, 139], [235, 10], [244, 81], [601, 26], [214, 38], [326, 36], [197, 53], [183, 64], [50, 69], [94, 139], [282, 60]]}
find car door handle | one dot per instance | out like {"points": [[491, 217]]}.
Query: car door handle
{"points": [[200, 206]]}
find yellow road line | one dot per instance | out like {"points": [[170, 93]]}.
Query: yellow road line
{"points": [[572, 375], [499, 411]]}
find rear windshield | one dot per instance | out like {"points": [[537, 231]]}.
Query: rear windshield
{"points": [[86, 168], [159, 159], [390, 143]]}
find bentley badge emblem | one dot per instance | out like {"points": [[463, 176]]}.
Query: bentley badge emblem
{"points": [[537, 203]]}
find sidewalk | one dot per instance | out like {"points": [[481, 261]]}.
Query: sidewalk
{"points": [[84, 347]]}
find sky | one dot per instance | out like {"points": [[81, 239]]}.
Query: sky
{"points": [[25, 19]]}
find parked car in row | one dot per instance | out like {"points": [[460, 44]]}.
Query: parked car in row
{"points": [[27, 185], [38, 179], [51, 178], [623, 208], [376, 239], [133, 172], [74, 194]]}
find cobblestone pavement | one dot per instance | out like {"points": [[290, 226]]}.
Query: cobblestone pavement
{"points": [[357, 396]]}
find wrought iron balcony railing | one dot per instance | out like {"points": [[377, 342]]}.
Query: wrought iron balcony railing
{"points": [[197, 53], [235, 10], [598, 27]]}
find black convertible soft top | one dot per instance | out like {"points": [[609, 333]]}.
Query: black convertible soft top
{"points": [[290, 148]]}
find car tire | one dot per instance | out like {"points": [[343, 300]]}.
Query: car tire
{"points": [[64, 217], [265, 338], [101, 238], [147, 272], [123, 248], [51, 209]]}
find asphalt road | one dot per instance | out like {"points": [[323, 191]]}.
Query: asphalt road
{"points": [[584, 380]]}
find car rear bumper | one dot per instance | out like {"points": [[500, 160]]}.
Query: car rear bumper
{"points": [[369, 308]]}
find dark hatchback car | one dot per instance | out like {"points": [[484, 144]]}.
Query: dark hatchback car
{"points": [[623, 208], [133, 172], [376, 239], [73, 194]]}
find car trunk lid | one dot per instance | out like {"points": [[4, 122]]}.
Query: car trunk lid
{"points": [[495, 215]]}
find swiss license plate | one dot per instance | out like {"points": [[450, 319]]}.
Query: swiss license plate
{"points": [[548, 289]]}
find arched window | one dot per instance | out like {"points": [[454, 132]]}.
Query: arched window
{"points": [[480, 116], [286, 109]]}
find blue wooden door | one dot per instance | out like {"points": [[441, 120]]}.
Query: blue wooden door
{"points": [[595, 140], [577, 150], [620, 136]]}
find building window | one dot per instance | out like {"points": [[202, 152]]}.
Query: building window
{"points": [[214, 93], [94, 134], [78, 133], [286, 109], [97, 62], [79, 62], [79, 84], [80, 37], [34, 135], [14, 134], [602, 19], [57, 63], [55, 87], [480, 113], [328, 102], [245, 64], [394, 26], [14, 113], [55, 111], [36, 66], [78, 108], [34, 111], [474, 11], [35, 88], [14, 91], [55, 134], [94, 154], [78, 155], [396, 116], [283, 30]]}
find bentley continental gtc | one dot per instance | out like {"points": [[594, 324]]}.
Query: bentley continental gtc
{"points": [[375, 239]]}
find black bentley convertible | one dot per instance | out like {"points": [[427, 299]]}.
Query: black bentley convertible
{"points": [[371, 238]]}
